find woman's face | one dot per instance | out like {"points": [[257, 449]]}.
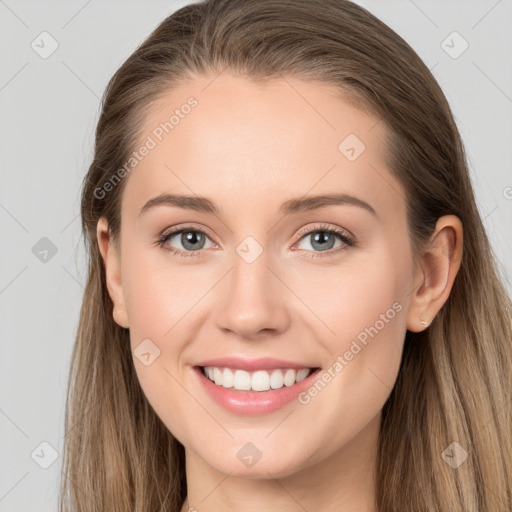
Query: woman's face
{"points": [[271, 273]]}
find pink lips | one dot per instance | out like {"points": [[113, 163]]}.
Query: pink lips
{"points": [[252, 403]]}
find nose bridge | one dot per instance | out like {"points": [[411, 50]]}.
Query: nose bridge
{"points": [[254, 299]]}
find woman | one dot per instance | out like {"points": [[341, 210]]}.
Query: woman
{"points": [[292, 303]]}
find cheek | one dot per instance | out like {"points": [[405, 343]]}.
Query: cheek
{"points": [[362, 304], [352, 295], [158, 294], [366, 314], [159, 301]]}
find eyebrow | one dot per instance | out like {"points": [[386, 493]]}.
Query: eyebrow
{"points": [[296, 205]]}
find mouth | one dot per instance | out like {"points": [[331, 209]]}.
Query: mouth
{"points": [[255, 381], [254, 392]]}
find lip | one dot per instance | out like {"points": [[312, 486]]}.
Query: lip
{"points": [[254, 403], [263, 363]]}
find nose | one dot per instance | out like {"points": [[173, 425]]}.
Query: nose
{"points": [[253, 301]]}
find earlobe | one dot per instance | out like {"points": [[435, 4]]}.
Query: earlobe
{"points": [[434, 279], [111, 261]]}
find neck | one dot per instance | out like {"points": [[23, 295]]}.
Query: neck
{"points": [[343, 481]]}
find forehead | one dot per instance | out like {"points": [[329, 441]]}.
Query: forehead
{"points": [[231, 138]]}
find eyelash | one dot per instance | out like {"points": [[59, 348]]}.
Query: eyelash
{"points": [[347, 240]]}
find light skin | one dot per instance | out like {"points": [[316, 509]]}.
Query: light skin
{"points": [[249, 148]]}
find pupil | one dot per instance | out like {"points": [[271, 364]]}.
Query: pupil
{"points": [[323, 238], [190, 237]]}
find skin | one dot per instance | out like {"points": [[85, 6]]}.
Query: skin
{"points": [[249, 148]]}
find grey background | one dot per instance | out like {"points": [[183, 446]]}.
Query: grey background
{"points": [[49, 108]]}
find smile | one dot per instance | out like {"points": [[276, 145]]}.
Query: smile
{"points": [[254, 392], [259, 380]]}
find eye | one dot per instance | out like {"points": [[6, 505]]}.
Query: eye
{"points": [[323, 238], [192, 241]]}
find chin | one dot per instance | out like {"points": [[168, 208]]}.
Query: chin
{"points": [[263, 469]]}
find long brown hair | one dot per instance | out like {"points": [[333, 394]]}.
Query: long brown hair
{"points": [[455, 379]]}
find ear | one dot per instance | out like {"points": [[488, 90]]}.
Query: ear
{"points": [[436, 272], [111, 260]]}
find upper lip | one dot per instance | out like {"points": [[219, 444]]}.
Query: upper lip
{"points": [[263, 363]]}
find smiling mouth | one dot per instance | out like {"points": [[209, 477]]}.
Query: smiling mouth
{"points": [[255, 381]]}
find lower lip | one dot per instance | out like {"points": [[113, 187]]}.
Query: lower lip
{"points": [[254, 403]]}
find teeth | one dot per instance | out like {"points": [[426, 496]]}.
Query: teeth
{"points": [[260, 380], [228, 378], [242, 380], [302, 374], [217, 376]]}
